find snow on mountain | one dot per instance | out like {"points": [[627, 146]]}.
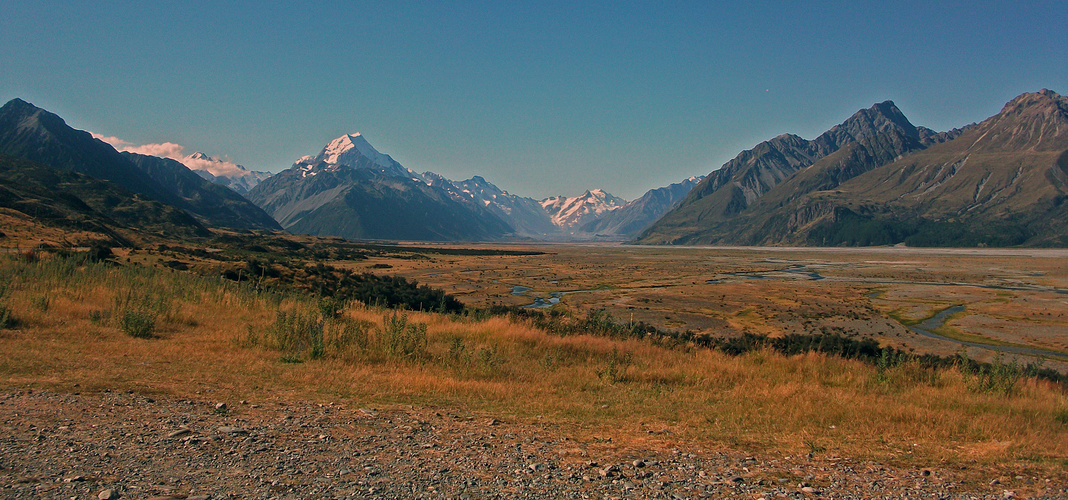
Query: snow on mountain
{"points": [[526, 215], [352, 150], [638, 214], [569, 213], [229, 174]]}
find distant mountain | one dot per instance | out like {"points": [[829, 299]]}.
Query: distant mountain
{"points": [[215, 204], [876, 179], [571, 213], [234, 176], [526, 216], [630, 219], [36, 135], [353, 191]]}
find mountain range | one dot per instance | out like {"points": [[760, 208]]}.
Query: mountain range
{"points": [[350, 189], [234, 176], [45, 142], [876, 179]]}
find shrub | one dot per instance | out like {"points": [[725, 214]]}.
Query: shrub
{"points": [[296, 334], [399, 339], [138, 324]]}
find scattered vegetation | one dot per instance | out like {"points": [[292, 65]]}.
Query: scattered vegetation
{"points": [[797, 394]]}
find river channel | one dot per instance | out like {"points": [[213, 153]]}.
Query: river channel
{"points": [[928, 326]]}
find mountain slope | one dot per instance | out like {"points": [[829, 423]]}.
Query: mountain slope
{"points": [[36, 135], [729, 206], [351, 190], [71, 200], [525, 215], [1002, 182], [632, 218], [212, 203]]}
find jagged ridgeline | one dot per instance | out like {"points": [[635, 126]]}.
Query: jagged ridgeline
{"points": [[876, 179]]}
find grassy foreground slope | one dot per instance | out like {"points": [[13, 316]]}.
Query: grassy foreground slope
{"points": [[70, 324]]}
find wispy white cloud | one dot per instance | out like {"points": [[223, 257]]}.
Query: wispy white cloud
{"points": [[162, 150], [114, 141], [214, 166], [176, 152]]}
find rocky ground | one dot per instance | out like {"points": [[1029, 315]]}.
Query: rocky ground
{"points": [[126, 445]]}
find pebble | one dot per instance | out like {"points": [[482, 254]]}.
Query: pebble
{"points": [[179, 432]]}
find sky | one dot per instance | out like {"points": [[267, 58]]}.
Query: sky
{"points": [[541, 98]]}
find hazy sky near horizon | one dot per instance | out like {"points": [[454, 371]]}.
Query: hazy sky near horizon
{"points": [[540, 98]]}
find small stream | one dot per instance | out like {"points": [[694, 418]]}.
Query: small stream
{"points": [[810, 275], [928, 326], [541, 302]]}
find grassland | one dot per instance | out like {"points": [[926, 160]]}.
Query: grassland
{"points": [[71, 330]]}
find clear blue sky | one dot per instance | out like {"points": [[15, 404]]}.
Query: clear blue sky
{"points": [[541, 98]]}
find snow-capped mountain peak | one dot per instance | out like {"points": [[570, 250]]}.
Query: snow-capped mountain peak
{"points": [[223, 172], [573, 212], [341, 149]]}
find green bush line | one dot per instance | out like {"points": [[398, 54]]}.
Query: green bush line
{"points": [[599, 323]]}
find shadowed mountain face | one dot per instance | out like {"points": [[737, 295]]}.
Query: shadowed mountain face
{"points": [[876, 179], [33, 134], [67, 199], [709, 212], [215, 204], [353, 191]]}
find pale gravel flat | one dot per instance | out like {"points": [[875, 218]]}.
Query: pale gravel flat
{"points": [[60, 445]]}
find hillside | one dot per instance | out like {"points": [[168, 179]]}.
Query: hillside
{"points": [[1003, 182], [879, 180], [212, 203], [36, 135], [78, 202]]}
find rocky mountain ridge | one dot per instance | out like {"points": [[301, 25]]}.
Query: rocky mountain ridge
{"points": [[877, 179], [36, 135]]}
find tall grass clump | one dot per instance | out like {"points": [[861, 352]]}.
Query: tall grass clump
{"points": [[138, 324], [400, 339], [7, 318], [298, 334], [308, 331], [995, 377]]}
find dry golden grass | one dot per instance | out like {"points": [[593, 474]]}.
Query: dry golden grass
{"points": [[632, 390]]}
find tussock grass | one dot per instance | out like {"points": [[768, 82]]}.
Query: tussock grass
{"points": [[234, 341]]}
